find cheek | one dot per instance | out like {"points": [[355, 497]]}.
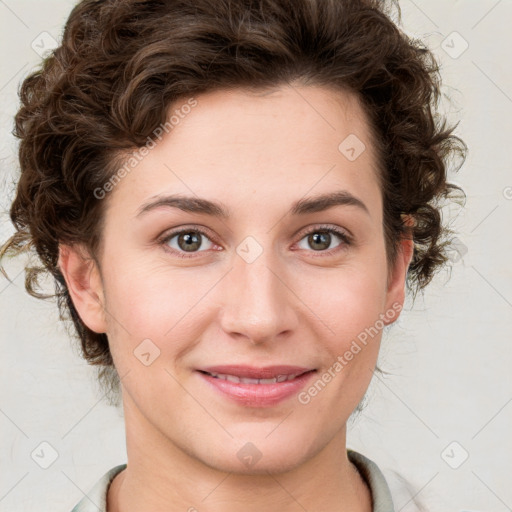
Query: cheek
{"points": [[345, 300], [348, 305], [157, 305], [151, 297]]}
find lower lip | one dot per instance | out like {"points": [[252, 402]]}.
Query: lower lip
{"points": [[258, 395]]}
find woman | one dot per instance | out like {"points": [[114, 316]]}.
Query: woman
{"points": [[232, 198]]}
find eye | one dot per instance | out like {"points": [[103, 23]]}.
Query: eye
{"points": [[187, 241], [320, 239]]}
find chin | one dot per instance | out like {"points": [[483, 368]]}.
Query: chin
{"points": [[257, 452]]}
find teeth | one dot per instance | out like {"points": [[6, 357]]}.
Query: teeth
{"points": [[246, 380]]}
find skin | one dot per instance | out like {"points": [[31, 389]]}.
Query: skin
{"points": [[295, 304]]}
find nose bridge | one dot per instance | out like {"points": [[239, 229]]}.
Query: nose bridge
{"points": [[256, 301]]}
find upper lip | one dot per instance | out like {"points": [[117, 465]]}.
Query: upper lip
{"points": [[252, 372]]}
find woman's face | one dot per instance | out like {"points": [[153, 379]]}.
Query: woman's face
{"points": [[266, 284]]}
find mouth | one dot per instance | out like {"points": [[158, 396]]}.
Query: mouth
{"points": [[256, 387]]}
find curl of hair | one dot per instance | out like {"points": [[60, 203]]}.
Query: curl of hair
{"points": [[123, 63]]}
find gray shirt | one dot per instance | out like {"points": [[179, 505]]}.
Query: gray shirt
{"points": [[96, 499]]}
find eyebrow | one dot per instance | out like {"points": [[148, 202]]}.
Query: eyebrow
{"points": [[301, 207]]}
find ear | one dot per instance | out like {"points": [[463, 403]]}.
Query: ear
{"points": [[85, 285], [397, 277]]}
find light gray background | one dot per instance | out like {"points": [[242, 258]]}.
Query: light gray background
{"points": [[449, 356]]}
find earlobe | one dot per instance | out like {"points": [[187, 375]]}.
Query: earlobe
{"points": [[398, 277], [85, 286]]}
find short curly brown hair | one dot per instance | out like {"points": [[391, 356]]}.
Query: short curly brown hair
{"points": [[122, 63]]}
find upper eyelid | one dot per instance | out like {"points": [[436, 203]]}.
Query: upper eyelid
{"points": [[183, 229], [325, 227]]}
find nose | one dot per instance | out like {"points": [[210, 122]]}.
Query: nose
{"points": [[257, 300]]}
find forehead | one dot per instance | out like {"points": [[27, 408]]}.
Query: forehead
{"points": [[281, 119], [242, 144]]}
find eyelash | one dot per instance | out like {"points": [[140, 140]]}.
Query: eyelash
{"points": [[345, 238]]}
